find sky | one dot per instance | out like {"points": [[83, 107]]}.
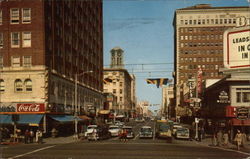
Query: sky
{"points": [[144, 30]]}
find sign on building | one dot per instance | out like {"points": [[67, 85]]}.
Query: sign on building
{"points": [[242, 113], [237, 48]]}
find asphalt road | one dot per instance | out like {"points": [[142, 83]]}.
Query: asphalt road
{"points": [[114, 149]]}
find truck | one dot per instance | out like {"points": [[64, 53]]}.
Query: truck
{"points": [[164, 129]]}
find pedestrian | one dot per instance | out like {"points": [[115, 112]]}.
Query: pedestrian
{"points": [[225, 138], [199, 134], [37, 133], [31, 136], [238, 139], [40, 137], [219, 138], [26, 136], [244, 139], [214, 139]]}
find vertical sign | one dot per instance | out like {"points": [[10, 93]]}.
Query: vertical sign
{"points": [[199, 81]]}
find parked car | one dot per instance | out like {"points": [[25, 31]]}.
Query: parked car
{"points": [[130, 133], [139, 120], [90, 129], [182, 133], [175, 127], [114, 130], [146, 132], [99, 133]]}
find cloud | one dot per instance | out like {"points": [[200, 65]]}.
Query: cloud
{"points": [[121, 23]]}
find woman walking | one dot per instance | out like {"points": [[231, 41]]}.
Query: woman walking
{"points": [[238, 139]]}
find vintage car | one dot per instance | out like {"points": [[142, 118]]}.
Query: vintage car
{"points": [[130, 133], [146, 132], [182, 133], [114, 130]]}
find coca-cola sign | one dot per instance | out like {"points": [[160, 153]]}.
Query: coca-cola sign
{"points": [[30, 107]]}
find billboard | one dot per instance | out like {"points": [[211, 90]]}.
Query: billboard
{"points": [[237, 48]]}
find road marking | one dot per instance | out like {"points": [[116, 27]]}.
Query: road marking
{"points": [[44, 148], [136, 137], [225, 149]]}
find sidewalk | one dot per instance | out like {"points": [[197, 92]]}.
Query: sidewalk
{"points": [[208, 142]]}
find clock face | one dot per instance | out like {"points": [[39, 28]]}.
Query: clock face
{"points": [[119, 54]]}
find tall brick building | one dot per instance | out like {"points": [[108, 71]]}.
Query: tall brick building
{"points": [[44, 47], [199, 44]]}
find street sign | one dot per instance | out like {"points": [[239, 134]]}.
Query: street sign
{"points": [[242, 113]]}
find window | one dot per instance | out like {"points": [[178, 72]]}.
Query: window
{"points": [[120, 99], [26, 39], [1, 40], [114, 91], [1, 61], [243, 95], [28, 85], [15, 40], [120, 91], [26, 15], [14, 16], [1, 17], [15, 61], [27, 61], [2, 87], [18, 85]]}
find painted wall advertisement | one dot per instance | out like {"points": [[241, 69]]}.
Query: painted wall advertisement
{"points": [[237, 48], [22, 107]]}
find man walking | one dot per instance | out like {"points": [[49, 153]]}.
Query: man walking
{"points": [[238, 139]]}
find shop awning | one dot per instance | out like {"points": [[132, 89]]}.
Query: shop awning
{"points": [[65, 118], [31, 119], [104, 112], [84, 117], [5, 119]]}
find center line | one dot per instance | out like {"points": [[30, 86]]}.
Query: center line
{"points": [[32, 152]]}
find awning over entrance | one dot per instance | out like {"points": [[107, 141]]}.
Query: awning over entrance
{"points": [[5, 119], [104, 112], [84, 117], [65, 118], [237, 122], [31, 119]]}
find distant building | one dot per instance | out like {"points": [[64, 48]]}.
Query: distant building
{"points": [[117, 58], [167, 101], [199, 44], [120, 83], [120, 86], [144, 108], [44, 46]]}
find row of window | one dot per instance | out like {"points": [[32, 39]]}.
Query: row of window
{"points": [[207, 21], [16, 61], [208, 74], [195, 67], [201, 51], [193, 44], [19, 85], [201, 37], [16, 17], [201, 29], [16, 39], [202, 59]]}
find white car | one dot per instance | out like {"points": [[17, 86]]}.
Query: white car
{"points": [[175, 127], [90, 129], [114, 130]]}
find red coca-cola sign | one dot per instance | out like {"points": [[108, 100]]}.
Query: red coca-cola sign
{"points": [[30, 107]]}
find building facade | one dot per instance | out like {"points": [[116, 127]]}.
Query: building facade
{"points": [[199, 44], [51, 57], [167, 101]]}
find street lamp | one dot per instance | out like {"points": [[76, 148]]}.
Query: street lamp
{"points": [[76, 103]]}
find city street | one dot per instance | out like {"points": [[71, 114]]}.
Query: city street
{"points": [[115, 149]]}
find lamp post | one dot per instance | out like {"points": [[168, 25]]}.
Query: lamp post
{"points": [[76, 103]]}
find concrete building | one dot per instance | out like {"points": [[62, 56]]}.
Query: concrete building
{"points": [[199, 44], [168, 101], [46, 47], [121, 83], [143, 106]]}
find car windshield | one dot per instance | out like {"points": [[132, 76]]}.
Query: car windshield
{"points": [[112, 128], [182, 130], [164, 127], [146, 129]]}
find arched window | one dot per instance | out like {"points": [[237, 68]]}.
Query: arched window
{"points": [[18, 85], [2, 87], [28, 85]]}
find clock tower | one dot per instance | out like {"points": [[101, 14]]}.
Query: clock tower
{"points": [[116, 58]]}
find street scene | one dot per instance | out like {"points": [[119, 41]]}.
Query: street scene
{"points": [[125, 79]]}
